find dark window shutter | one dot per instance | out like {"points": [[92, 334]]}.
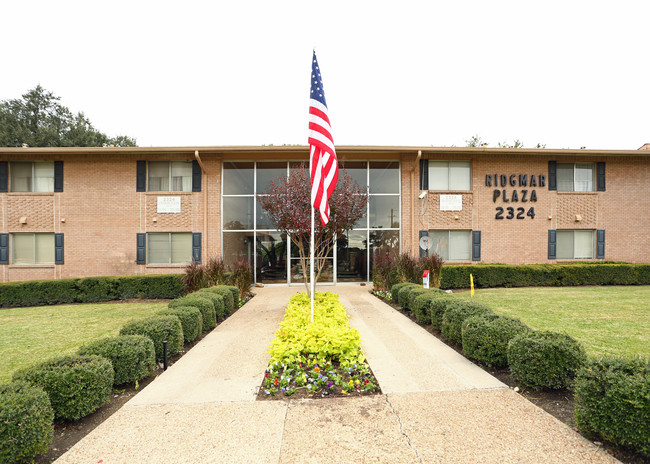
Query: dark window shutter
{"points": [[424, 174], [58, 248], [423, 253], [476, 245], [141, 181], [58, 176], [196, 247], [552, 244], [4, 176], [600, 244], [196, 176], [141, 255], [552, 175], [600, 176], [4, 248]]}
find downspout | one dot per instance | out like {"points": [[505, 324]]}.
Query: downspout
{"points": [[204, 174], [413, 202]]}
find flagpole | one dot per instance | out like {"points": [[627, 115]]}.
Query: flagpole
{"points": [[311, 263]]}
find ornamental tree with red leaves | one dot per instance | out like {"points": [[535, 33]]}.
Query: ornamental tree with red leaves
{"points": [[287, 204]]}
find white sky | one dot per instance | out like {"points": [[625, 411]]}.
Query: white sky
{"points": [[565, 73]]}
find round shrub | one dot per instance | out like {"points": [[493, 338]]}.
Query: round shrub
{"points": [[191, 320], [403, 295], [235, 294], [25, 422], [158, 329], [455, 314], [217, 301], [76, 385], [228, 301], [545, 359], [413, 294], [437, 307], [133, 356], [420, 303], [485, 337], [203, 304], [394, 290], [612, 399]]}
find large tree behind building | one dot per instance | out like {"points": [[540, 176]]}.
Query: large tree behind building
{"points": [[39, 120], [287, 203]]}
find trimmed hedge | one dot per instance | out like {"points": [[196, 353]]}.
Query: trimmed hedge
{"points": [[25, 423], [133, 356], [612, 399], [215, 298], [486, 337], [545, 275], [455, 314], [403, 295], [545, 359], [158, 329], [421, 303], [76, 385], [203, 304], [228, 301], [89, 289], [191, 320]]}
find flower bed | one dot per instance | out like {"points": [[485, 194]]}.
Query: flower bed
{"points": [[322, 358]]}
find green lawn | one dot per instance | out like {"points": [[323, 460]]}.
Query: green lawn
{"points": [[607, 320], [30, 335]]}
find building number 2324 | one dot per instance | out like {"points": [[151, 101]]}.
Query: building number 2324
{"points": [[511, 213]]}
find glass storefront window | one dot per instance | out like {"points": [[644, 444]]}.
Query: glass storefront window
{"points": [[238, 178], [384, 177], [238, 246], [384, 211], [352, 256], [271, 259], [268, 252], [237, 213], [267, 172], [384, 241]]}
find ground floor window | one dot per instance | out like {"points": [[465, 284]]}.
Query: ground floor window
{"points": [[35, 248], [452, 245], [169, 248], [575, 244]]}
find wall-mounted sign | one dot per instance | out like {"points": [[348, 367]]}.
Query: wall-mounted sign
{"points": [[515, 195], [451, 202], [169, 205], [426, 243]]}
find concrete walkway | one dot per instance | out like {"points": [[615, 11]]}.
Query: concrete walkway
{"points": [[436, 406]]}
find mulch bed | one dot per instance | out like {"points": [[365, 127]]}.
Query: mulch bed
{"points": [[558, 403]]}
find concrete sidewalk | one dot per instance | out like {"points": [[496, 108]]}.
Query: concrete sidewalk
{"points": [[436, 406]]}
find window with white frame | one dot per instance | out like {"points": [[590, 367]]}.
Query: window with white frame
{"points": [[575, 244], [169, 248], [575, 177], [450, 175], [452, 245], [169, 176], [30, 248], [35, 176]]}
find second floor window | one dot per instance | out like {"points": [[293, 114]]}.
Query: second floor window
{"points": [[35, 176], [169, 176], [450, 175], [575, 177]]}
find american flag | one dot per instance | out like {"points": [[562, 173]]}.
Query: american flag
{"points": [[322, 158]]}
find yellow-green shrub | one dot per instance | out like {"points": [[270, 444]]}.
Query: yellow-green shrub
{"points": [[328, 337]]}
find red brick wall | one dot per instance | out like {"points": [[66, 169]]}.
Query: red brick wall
{"points": [[100, 211]]}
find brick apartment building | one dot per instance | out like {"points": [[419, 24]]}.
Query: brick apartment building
{"points": [[76, 212]]}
